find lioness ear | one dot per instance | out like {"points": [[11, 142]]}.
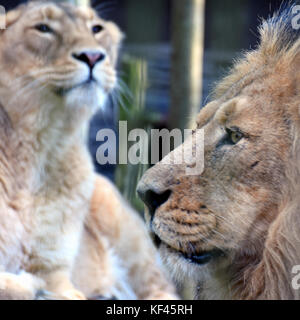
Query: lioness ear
{"points": [[10, 18]]}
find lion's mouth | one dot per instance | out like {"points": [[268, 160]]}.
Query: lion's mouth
{"points": [[200, 258], [87, 83], [204, 256]]}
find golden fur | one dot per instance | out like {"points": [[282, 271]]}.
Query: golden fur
{"points": [[63, 229], [245, 205]]}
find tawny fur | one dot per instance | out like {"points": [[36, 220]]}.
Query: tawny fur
{"points": [[116, 255], [246, 201], [63, 228]]}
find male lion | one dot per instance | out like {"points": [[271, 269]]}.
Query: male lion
{"points": [[234, 229], [63, 229]]}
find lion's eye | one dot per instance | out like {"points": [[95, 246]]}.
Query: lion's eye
{"points": [[96, 29], [234, 136], [44, 28]]}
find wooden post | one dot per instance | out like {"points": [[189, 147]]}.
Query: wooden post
{"points": [[187, 61]]}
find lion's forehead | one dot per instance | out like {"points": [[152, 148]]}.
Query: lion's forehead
{"points": [[220, 113], [231, 108]]}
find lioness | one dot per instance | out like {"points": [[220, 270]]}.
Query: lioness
{"points": [[63, 229], [234, 229]]}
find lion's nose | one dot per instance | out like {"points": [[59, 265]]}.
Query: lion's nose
{"points": [[91, 58], [152, 199]]}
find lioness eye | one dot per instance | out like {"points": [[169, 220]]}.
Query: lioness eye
{"points": [[234, 136], [96, 29], [43, 28]]}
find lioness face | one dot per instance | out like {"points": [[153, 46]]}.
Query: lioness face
{"points": [[206, 222], [60, 49]]}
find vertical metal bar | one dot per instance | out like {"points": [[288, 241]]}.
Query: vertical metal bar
{"points": [[77, 2], [187, 61]]}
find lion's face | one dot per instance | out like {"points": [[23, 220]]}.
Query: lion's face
{"points": [[63, 50], [225, 212]]}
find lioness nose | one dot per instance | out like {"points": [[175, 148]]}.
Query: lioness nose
{"points": [[152, 199], [91, 58]]}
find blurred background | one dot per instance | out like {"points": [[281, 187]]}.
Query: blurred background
{"points": [[173, 53]]}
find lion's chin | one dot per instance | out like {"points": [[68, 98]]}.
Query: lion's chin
{"points": [[179, 268], [90, 96], [183, 265]]}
